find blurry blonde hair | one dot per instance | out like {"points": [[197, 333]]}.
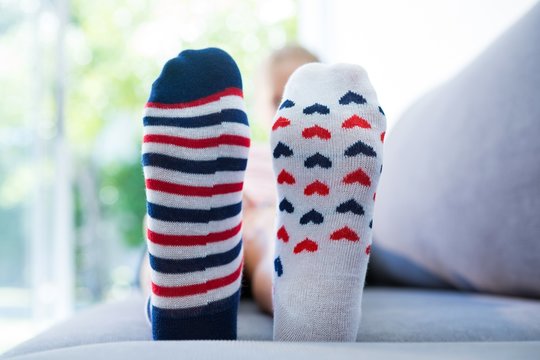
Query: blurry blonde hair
{"points": [[292, 53]]}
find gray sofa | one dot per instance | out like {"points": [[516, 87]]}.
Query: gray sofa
{"points": [[397, 323], [467, 221]]}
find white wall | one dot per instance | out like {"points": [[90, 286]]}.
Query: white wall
{"points": [[408, 47]]}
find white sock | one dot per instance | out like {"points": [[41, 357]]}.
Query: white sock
{"points": [[327, 148]]}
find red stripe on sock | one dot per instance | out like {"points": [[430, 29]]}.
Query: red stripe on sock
{"points": [[234, 140], [195, 289], [201, 101], [192, 240], [202, 191], [178, 189], [221, 189], [198, 143]]}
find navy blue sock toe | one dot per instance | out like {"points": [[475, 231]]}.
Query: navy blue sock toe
{"points": [[195, 74]]}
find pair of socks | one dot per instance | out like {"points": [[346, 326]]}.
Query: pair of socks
{"points": [[326, 143]]}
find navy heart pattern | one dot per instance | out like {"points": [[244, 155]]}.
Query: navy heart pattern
{"points": [[318, 159], [278, 267], [312, 216], [358, 148], [325, 198], [350, 206], [282, 150], [286, 104], [286, 205], [322, 160], [352, 97], [317, 108]]}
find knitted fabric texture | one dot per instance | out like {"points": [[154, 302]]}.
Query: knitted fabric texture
{"points": [[327, 146], [194, 153]]}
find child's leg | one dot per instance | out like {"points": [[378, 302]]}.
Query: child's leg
{"points": [[327, 148], [258, 252], [261, 283], [196, 139]]}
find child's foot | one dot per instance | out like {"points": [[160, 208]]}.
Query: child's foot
{"points": [[327, 147], [196, 139]]}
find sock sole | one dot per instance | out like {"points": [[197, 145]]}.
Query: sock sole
{"points": [[194, 115], [327, 159]]}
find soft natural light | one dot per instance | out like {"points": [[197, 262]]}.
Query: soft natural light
{"points": [[408, 47], [75, 76]]}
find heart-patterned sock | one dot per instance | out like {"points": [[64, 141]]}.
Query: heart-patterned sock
{"points": [[327, 147]]}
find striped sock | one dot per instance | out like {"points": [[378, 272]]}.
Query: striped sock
{"points": [[195, 147]]}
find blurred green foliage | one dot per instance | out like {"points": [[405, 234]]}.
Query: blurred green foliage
{"points": [[115, 51]]}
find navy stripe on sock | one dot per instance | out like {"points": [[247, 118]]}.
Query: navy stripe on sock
{"points": [[166, 213], [214, 321], [181, 266], [225, 212], [178, 164], [231, 164], [198, 216], [202, 167], [226, 115], [212, 307]]}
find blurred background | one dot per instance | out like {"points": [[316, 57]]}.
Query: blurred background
{"points": [[75, 75]]}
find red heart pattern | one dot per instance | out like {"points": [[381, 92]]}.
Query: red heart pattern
{"points": [[345, 233], [316, 131], [281, 123], [358, 176], [316, 187], [306, 245], [286, 178], [282, 234], [356, 121]]}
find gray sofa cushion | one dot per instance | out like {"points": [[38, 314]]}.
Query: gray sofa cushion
{"points": [[402, 315], [458, 203], [213, 350]]}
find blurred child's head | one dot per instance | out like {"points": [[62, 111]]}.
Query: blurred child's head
{"points": [[278, 67]]}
